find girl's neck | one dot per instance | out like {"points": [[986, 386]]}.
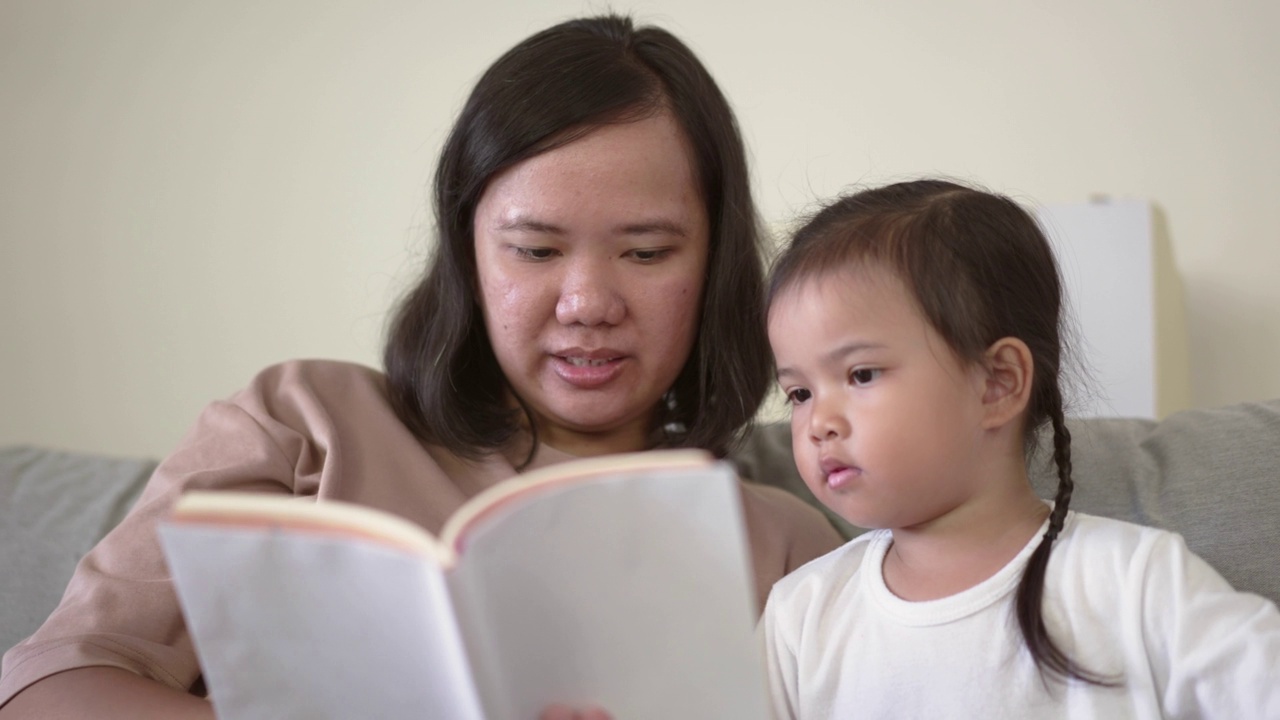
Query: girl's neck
{"points": [[966, 546]]}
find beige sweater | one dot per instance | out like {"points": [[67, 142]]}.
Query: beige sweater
{"points": [[311, 429]]}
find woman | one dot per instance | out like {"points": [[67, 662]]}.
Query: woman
{"points": [[597, 289]]}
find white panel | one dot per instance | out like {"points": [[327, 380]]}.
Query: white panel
{"points": [[1106, 251]]}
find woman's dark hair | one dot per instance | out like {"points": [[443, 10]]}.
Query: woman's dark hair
{"points": [[554, 87], [981, 269]]}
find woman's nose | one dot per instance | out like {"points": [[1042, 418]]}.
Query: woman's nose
{"points": [[590, 296]]}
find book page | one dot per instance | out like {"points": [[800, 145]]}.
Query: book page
{"points": [[287, 512], [454, 533], [302, 624], [632, 593]]}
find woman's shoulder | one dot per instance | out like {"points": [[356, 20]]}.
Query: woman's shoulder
{"points": [[325, 428], [782, 511], [292, 422], [308, 393], [338, 379], [778, 518], [777, 499]]}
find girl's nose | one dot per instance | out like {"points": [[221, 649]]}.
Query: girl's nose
{"points": [[828, 420], [590, 296]]}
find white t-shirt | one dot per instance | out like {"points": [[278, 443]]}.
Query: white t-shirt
{"points": [[1120, 599]]}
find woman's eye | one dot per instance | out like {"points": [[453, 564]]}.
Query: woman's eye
{"points": [[650, 255], [864, 376], [534, 253], [797, 396]]}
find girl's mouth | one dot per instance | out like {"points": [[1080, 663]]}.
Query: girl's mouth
{"points": [[839, 475]]}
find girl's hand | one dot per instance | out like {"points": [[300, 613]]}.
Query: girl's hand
{"points": [[563, 712]]}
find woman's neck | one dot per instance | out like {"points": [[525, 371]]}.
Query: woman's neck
{"points": [[632, 437]]}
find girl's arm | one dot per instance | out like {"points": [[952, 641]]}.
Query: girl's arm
{"points": [[779, 662], [105, 693], [1214, 651]]}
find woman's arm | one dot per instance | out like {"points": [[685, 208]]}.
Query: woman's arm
{"points": [[563, 712], [104, 693]]}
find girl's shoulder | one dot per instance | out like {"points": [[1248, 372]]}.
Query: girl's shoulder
{"points": [[1140, 559], [1099, 528], [1098, 542], [1108, 536], [829, 574]]}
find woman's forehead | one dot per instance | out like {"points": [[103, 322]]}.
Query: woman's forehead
{"points": [[637, 173]]}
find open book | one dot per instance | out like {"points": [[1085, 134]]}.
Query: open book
{"points": [[620, 581]]}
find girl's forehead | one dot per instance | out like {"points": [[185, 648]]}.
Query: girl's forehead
{"points": [[859, 284]]}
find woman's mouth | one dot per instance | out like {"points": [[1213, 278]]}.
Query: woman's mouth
{"points": [[586, 362], [588, 371]]}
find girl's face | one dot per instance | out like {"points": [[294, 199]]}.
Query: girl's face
{"points": [[885, 420], [591, 260]]}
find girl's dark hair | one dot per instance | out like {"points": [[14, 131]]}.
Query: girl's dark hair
{"points": [[554, 87], [981, 269]]}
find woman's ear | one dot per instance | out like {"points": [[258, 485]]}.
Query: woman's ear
{"points": [[1010, 371]]}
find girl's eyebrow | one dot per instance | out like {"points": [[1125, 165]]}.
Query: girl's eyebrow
{"points": [[851, 348], [835, 355]]}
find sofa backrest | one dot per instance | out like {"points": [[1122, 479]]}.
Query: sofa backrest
{"points": [[1212, 475], [54, 507]]}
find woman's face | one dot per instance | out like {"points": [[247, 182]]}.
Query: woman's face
{"points": [[591, 259]]}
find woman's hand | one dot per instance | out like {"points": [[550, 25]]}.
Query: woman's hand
{"points": [[564, 712]]}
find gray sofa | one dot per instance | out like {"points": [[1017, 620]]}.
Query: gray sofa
{"points": [[1212, 475]]}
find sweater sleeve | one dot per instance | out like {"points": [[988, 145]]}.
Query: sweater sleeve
{"points": [[120, 608], [784, 533], [1214, 652]]}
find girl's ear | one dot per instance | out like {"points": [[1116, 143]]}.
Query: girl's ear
{"points": [[1010, 370]]}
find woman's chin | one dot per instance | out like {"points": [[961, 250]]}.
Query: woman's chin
{"points": [[593, 428]]}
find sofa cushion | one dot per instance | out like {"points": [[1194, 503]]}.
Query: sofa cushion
{"points": [[1212, 475], [54, 506]]}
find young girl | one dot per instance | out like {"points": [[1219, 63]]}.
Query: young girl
{"points": [[917, 334]]}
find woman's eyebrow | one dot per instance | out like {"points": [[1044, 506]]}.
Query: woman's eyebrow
{"points": [[530, 225], [654, 227], [646, 227]]}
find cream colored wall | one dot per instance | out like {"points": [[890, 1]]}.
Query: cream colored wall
{"points": [[190, 191]]}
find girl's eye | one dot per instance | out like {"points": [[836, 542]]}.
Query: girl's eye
{"points": [[534, 253], [864, 376], [797, 396], [650, 255]]}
